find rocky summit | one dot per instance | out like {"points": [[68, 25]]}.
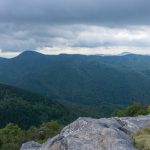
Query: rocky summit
{"points": [[94, 134]]}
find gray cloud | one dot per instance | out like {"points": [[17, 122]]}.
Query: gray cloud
{"points": [[74, 25], [78, 36], [76, 11]]}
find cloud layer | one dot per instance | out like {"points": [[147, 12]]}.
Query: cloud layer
{"points": [[75, 26], [76, 11]]}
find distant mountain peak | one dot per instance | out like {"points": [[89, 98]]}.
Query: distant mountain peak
{"points": [[125, 53], [29, 54]]}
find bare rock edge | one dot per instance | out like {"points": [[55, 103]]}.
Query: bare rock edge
{"points": [[94, 134]]}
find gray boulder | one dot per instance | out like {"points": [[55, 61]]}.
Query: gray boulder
{"points": [[31, 146], [94, 134]]}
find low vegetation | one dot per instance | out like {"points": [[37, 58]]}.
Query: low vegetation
{"points": [[12, 136], [142, 139]]}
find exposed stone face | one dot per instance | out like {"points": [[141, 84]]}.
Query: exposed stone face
{"points": [[31, 145], [94, 134]]}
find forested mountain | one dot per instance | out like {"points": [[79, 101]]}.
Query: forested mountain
{"points": [[27, 109], [98, 81]]}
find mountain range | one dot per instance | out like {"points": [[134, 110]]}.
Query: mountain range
{"points": [[99, 82]]}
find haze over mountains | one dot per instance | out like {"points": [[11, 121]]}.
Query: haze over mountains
{"points": [[101, 82]]}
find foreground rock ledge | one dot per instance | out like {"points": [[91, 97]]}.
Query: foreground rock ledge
{"points": [[94, 134]]}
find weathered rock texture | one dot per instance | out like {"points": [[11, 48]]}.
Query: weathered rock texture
{"points": [[94, 134]]}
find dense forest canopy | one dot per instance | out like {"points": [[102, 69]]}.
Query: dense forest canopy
{"points": [[26, 108]]}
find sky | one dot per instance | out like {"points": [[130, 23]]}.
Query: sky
{"points": [[74, 26]]}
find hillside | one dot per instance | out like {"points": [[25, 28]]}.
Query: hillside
{"points": [[103, 82], [27, 109]]}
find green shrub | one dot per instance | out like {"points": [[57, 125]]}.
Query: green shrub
{"points": [[133, 110], [12, 137]]}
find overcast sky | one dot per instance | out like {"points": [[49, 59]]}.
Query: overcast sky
{"points": [[74, 26]]}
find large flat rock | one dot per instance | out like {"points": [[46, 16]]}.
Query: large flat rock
{"points": [[94, 134]]}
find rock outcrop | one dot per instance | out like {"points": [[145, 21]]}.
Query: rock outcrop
{"points": [[94, 134]]}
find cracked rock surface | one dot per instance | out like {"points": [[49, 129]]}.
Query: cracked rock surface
{"points": [[94, 134]]}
